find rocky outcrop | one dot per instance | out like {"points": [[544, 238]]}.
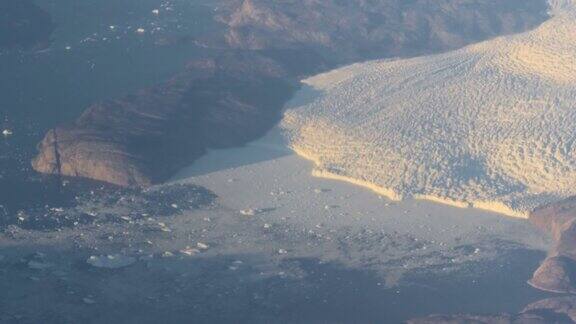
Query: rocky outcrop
{"points": [[144, 138], [551, 310], [23, 24], [237, 93], [358, 29], [558, 272]]}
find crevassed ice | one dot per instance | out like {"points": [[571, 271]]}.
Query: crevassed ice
{"points": [[492, 125]]}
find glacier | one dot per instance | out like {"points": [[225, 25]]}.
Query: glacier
{"points": [[491, 125]]}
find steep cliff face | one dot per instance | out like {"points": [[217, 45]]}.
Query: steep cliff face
{"points": [[23, 24], [263, 49], [143, 138], [558, 272], [359, 29]]}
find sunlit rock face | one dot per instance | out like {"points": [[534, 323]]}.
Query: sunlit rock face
{"points": [[355, 30], [490, 125]]}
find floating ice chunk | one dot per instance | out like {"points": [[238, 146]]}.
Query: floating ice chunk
{"points": [[113, 261], [88, 300], [39, 264], [189, 251], [255, 211], [249, 212]]}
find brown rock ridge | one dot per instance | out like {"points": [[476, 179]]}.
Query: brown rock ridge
{"points": [[558, 272], [355, 30], [236, 95], [144, 138]]}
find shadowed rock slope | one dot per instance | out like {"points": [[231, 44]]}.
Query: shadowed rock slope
{"points": [[23, 24], [144, 138]]}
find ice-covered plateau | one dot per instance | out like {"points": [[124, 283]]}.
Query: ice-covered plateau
{"points": [[491, 125]]}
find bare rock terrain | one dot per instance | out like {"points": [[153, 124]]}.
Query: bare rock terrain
{"points": [[143, 138], [558, 272]]}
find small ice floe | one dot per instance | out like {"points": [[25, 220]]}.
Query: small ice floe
{"points": [[39, 265], [140, 31], [114, 261], [202, 246], [255, 211], [189, 251], [7, 132], [38, 262], [147, 257], [249, 212], [235, 265], [88, 300], [159, 227], [126, 218]]}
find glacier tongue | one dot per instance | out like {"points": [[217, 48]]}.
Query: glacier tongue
{"points": [[491, 125]]}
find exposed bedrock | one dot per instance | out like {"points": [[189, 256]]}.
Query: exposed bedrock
{"points": [[558, 272], [143, 138], [237, 94]]}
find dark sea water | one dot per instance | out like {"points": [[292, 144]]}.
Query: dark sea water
{"points": [[95, 53]]}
